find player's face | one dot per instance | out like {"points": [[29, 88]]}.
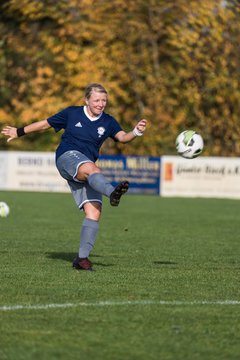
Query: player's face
{"points": [[96, 103]]}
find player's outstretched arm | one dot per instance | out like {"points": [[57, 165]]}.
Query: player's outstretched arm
{"points": [[13, 132], [139, 129]]}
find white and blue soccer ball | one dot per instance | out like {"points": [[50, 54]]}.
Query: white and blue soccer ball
{"points": [[4, 209], [189, 144]]}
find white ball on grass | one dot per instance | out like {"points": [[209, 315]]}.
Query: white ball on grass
{"points": [[4, 209]]}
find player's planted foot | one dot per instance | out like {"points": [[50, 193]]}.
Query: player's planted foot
{"points": [[119, 190], [82, 264]]}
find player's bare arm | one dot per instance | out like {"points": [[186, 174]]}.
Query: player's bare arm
{"points": [[139, 129], [13, 132]]}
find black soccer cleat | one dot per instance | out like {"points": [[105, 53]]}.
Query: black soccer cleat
{"points": [[119, 190], [82, 264]]}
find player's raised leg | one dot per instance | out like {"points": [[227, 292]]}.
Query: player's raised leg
{"points": [[98, 182]]}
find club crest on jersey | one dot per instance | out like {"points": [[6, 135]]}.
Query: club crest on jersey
{"points": [[101, 130]]}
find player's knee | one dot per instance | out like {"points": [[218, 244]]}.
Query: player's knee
{"points": [[93, 210], [87, 169], [94, 170]]}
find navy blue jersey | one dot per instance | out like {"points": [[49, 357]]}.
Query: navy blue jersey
{"points": [[81, 133]]}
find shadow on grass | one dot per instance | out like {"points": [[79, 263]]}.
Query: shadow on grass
{"points": [[66, 256], [61, 256], [164, 263]]}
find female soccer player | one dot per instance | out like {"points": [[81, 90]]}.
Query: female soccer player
{"points": [[85, 130]]}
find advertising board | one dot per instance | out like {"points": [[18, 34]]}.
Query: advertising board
{"points": [[141, 171], [217, 177], [36, 171]]}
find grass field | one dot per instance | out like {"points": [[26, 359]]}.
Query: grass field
{"points": [[167, 275]]}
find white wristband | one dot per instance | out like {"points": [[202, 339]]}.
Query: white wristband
{"points": [[136, 132]]}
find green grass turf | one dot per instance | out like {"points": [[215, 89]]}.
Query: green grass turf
{"points": [[149, 248]]}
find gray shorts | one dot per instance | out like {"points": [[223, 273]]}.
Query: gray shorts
{"points": [[67, 165]]}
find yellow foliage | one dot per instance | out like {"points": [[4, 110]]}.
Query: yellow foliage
{"points": [[174, 62], [44, 71], [5, 117]]}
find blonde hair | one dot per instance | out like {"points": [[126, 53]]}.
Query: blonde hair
{"points": [[94, 87]]}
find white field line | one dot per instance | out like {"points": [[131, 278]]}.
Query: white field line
{"points": [[119, 303]]}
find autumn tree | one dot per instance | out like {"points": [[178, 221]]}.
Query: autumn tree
{"points": [[173, 62]]}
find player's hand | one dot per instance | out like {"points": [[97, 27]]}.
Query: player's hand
{"points": [[141, 125], [9, 131]]}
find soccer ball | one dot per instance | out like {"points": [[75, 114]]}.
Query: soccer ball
{"points": [[189, 144], [4, 210]]}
